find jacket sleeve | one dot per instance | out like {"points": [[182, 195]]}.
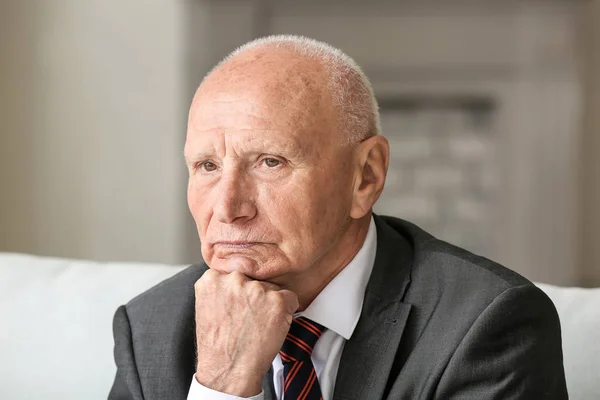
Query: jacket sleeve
{"points": [[512, 351], [127, 383]]}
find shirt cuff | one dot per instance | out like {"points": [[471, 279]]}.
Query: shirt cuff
{"points": [[200, 392]]}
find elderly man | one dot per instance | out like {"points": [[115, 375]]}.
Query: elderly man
{"points": [[305, 293]]}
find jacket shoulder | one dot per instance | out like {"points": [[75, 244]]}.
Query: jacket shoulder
{"points": [[158, 337], [437, 260], [166, 295]]}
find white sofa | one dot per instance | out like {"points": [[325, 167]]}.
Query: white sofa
{"points": [[56, 335]]}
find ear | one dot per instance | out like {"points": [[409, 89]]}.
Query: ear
{"points": [[372, 158]]}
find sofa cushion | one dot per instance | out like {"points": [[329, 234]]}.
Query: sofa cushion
{"points": [[579, 312], [56, 330]]}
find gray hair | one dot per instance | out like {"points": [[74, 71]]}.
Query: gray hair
{"points": [[350, 88]]}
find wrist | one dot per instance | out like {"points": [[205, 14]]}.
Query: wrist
{"points": [[230, 382]]}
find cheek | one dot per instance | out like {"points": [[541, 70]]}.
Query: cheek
{"points": [[201, 217], [331, 203], [285, 207], [303, 210], [196, 199]]}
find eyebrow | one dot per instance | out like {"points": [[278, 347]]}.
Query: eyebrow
{"points": [[196, 157], [289, 150]]}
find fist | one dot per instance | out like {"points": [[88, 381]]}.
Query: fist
{"points": [[240, 326]]}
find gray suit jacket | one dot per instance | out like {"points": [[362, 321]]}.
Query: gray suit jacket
{"points": [[437, 323]]}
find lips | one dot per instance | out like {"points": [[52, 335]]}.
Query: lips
{"points": [[236, 244]]}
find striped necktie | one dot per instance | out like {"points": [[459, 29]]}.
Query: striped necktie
{"points": [[300, 379]]}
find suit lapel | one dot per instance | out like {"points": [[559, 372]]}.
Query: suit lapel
{"points": [[368, 356]]}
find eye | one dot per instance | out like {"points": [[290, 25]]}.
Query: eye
{"points": [[271, 162], [207, 166]]}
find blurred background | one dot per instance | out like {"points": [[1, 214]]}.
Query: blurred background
{"points": [[492, 109]]}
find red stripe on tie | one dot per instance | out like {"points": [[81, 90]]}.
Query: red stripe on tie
{"points": [[299, 343], [308, 386], [286, 357], [309, 327], [292, 375]]}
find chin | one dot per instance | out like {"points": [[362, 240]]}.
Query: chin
{"points": [[249, 267], [241, 264]]}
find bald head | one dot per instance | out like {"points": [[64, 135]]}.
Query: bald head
{"points": [[301, 73]]}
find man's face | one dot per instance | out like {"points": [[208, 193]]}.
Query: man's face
{"points": [[270, 184]]}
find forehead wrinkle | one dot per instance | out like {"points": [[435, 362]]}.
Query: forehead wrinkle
{"points": [[260, 115], [215, 141], [222, 110]]}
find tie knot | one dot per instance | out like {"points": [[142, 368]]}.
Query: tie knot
{"points": [[300, 340]]}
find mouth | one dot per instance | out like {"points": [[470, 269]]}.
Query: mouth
{"points": [[236, 244]]}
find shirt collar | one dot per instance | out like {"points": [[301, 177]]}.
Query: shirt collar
{"points": [[339, 304]]}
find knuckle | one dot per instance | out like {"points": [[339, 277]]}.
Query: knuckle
{"points": [[255, 285], [236, 274], [209, 274], [208, 279], [255, 290], [278, 302]]}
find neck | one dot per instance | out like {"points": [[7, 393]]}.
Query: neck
{"points": [[314, 280]]}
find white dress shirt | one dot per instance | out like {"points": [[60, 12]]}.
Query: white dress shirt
{"points": [[337, 308]]}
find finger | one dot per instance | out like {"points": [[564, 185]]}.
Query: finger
{"points": [[290, 300], [208, 278], [238, 277], [269, 286], [209, 275]]}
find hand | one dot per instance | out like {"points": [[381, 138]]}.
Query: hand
{"points": [[240, 326]]}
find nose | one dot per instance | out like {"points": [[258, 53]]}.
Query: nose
{"points": [[234, 198]]}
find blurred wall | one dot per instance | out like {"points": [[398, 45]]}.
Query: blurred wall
{"points": [[590, 162], [17, 39], [93, 108], [93, 101]]}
